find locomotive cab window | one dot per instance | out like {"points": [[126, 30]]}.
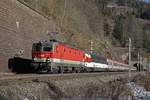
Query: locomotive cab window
{"points": [[47, 49], [37, 47]]}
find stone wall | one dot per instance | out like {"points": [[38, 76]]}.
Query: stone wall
{"points": [[19, 28]]}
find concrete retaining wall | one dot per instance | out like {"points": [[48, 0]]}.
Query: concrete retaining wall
{"points": [[19, 28]]}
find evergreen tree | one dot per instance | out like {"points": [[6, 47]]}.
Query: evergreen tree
{"points": [[102, 6], [121, 2], [146, 41], [107, 29], [118, 28]]}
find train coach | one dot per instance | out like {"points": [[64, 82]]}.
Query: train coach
{"points": [[119, 66], [57, 57]]}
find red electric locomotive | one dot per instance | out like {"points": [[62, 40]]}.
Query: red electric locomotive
{"points": [[54, 56]]}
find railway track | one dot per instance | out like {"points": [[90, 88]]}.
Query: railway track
{"points": [[17, 78]]}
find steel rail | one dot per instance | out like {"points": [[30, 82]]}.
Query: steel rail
{"points": [[16, 78]]}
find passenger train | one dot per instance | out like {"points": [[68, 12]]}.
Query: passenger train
{"points": [[57, 57]]}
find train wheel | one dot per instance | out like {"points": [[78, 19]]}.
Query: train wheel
{"points": [[73, 70], [77, 71], [61, 69]]}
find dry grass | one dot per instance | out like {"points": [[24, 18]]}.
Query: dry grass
{"points": [[112, 90], [143, 80]]}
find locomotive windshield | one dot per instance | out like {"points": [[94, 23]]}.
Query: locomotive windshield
{"points": [[41, 47], [47, 49], [37, 47]]}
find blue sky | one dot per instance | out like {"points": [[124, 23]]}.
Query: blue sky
{"points": [[147, 1]]}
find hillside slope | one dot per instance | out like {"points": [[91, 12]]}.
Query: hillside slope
{"points": [[105, 22], [78, 22]]}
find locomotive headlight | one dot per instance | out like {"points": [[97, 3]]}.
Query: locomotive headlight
{"points": [[48, 60], [35, 59]]}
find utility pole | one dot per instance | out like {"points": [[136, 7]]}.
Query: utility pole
{"points": [[138, 61], [141, 63], [129, 57], [144, 63]]}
